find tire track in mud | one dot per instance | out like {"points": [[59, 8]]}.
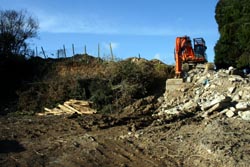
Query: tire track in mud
{"points": [[122, 154]]}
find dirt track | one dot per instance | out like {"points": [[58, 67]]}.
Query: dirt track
{"points": [[123, 140]]}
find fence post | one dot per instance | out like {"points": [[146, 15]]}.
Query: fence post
{"points": [[64, 51], [85, 49], [73, 49], [36, 51], [98, 51], [111, 52], [43, 52]]}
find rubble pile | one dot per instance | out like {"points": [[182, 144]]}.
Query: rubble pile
{"points": [[209, 93], [70, 107]]}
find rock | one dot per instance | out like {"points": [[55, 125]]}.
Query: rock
{"points": [[236, 97], [242, 106], [230, 68], [234, 78], [190, 106], [245, 94], [218, 99], [231, 89], [171, 111], [211, 110], [189, 79], [245, 115], [216, 107], [232, 109], [229, 113]]}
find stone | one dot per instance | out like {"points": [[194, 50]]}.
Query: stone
{"points": [[171, 111], [240, 93], [213, 86], [231, 89], [207, 86], [189, 79], [216, 100], [230, 68], [229, 113], [190, 106], [242, 106], [216, 107], [232, 109], [234, 78], [245, 94], [236, 97], [245, 115]]}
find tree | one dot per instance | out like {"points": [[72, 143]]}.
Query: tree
{"points": [[16, 27], [233, 47]]}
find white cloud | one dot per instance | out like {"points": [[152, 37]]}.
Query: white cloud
{"points": [[92, 23], [60, 23]]}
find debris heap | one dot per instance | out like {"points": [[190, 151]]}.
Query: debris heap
{"points": [[209, 93]]}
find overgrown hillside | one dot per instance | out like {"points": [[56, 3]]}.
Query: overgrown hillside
{"points": [[110, 85]]}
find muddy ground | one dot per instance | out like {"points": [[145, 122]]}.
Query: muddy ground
{"points": [[131, 138]]}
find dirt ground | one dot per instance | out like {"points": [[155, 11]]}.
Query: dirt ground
{"points": [[127, 139]]}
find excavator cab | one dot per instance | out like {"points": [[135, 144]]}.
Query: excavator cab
{"points": [[200, 48]]}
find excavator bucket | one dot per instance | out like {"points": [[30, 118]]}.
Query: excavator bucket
{"points": [[174, 84]]}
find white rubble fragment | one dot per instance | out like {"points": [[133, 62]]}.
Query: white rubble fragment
{"points": [[232, 109], [216, 100], [231, 89], [243, 105], [190, 106], [234, 78], [189, 79], [245, 115], [229, 113], [171, 111], [236, 97]]}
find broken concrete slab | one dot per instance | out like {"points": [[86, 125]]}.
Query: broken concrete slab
{"points": [[174, 84], [216, 100], [243, 105], [245, 115], [229, 113], [190, 106], [171, 111]]}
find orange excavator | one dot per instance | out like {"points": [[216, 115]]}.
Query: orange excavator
{"points": [[185, 53]]}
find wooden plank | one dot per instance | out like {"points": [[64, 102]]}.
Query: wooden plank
{"points": [[67, 110], [71, 108], [47, 109]]}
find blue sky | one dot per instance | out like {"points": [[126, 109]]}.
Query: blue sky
{"points": [[145, 27]]}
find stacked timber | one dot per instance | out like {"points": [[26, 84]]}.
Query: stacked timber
{"points": [[70, 107]]}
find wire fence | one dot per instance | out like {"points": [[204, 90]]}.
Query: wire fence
{"points": [[66, 51]]}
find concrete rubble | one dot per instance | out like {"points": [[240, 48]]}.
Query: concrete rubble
{"points": [[207, 92]]}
